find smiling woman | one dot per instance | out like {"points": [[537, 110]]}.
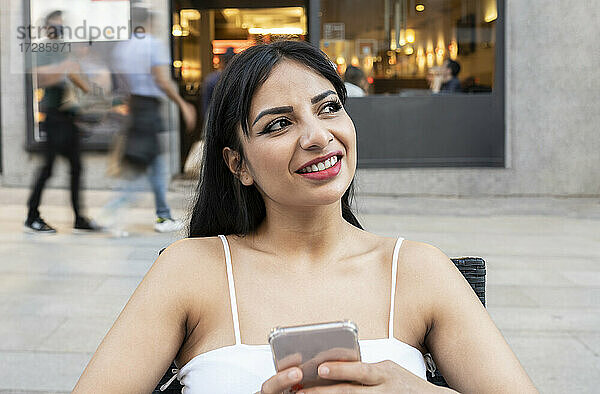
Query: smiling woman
{"points": [[252, 110], [273, 242]]}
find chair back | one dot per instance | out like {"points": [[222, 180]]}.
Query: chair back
{"points": [[473, 269]]}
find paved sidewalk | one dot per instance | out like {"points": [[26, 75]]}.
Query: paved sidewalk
{"points": [[60, 294]]}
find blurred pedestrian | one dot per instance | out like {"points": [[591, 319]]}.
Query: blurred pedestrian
{"points": [[143, 61], [211, 80], [58, 76], [355, 82], [193, 159], [451, 83]]}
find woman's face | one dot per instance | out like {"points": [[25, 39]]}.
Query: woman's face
{"points": [[296, 117]]}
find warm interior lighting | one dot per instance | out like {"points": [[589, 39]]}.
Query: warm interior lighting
{"points": [[340, 60], [220, 46], [453, 49], [276, 30], [420, 59], [354, 61], [191, 15], [177, 32], [430, 59], [40, 117], [39, 94], [439, 56], [230, 12], [410, 35], [402, 39], [177, 63], [420, 7], [491, 16], [409, 50], [190, 70]]}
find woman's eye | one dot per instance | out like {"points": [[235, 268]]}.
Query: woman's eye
{"points": [[276, 125], [331, 107]]}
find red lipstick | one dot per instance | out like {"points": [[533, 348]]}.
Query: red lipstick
{"points": [[324, 174], [320, 159]]}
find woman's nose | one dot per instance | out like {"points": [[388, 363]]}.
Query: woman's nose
{"points": [[315, 137]]}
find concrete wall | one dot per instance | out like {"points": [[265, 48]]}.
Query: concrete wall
{"points": [[552, 115], [552, 112]]}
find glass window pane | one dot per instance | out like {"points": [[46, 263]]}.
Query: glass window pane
{"points": [[412, 47]]}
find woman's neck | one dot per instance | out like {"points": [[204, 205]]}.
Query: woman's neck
{"points": [[311, 233]]}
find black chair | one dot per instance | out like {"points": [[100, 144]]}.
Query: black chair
{"points": [[472, 268]]}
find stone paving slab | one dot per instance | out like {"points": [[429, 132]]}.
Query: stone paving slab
{"points": [[60, 294], [77, 334], [41, 371], [562, 363]]}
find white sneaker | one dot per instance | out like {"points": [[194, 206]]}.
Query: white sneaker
{"points": [[164, 225]]}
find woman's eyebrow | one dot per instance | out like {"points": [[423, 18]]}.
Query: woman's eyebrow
{"points": [[321, 96], [274, 110]]}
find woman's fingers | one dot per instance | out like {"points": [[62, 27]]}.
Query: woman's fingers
{"points": [[291, 360], [282, 381], [363, 373], [345, 388]]}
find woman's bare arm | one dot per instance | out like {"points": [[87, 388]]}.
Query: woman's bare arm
{"points": [[466, 345], [148, 333]]}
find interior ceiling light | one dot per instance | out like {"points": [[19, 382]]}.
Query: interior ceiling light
{"points": [[420, 7], [276, 30], [177, 31], [190, 14], [491, 16]]}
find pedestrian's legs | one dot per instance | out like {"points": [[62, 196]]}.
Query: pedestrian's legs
{"points": [[44, 172], [74, 155], [128, 192], [158, 176]]}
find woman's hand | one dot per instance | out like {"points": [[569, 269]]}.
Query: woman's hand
{"points": [[382, 377], [282, 381]]}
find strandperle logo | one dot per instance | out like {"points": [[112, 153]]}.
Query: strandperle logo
{"points": [[79, 32]]}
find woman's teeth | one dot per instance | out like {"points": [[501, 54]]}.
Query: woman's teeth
{"points": [[320, 166]]}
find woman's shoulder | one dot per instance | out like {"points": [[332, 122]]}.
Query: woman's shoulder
{"points": [[191, 264], [422, 260], [426, 269], [190, 247], [193, 254], [422, 252], [412, 253]]}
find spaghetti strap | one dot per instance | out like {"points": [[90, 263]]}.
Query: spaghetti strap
{"points": [[232, 299], [393, 288]]}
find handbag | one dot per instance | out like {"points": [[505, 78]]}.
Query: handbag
{"points": [[141, 144], [114, 166], [193, 162]]}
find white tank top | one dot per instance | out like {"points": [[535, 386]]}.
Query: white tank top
{"points": [[242, 368]]}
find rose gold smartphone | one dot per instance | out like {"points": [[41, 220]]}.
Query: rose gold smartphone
{"points": [[308, 346]]}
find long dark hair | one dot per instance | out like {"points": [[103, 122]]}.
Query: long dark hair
{"points": [[223, 205]]}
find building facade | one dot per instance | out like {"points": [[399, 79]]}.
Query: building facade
{"points": [[526, 126]]}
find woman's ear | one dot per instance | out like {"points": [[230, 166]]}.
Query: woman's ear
{"points": [[232, 159]]}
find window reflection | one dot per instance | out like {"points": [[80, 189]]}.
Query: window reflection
{"points": [[413, 47]]}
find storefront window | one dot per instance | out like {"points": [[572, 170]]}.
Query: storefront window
{"points": [[412, 47], [203, 37], [83, 34]]}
